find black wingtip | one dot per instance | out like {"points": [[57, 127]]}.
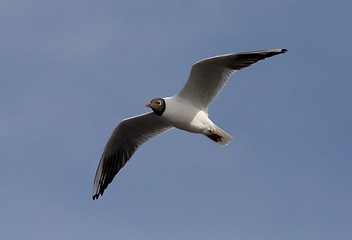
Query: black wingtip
{"points": [[283, 50], [96, 196]]}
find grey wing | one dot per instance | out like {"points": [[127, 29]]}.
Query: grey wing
{"points": [[208, 76], [124, 141]]}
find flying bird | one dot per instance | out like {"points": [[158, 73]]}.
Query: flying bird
{"points": [[187, 110]]}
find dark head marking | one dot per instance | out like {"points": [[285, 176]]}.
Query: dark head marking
{"points": [[158, 106]]}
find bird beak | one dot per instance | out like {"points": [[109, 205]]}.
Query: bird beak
{"points": [[148, 105]]}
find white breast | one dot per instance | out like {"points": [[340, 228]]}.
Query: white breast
{"points": [[184, 116]]}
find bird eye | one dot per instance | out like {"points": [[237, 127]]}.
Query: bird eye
{"points": [[158, 102]]}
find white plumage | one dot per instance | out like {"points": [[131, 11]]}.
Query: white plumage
{"points": [[187, 110]]}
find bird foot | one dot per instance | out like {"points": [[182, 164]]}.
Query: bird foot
{"points": [[215, 137]]}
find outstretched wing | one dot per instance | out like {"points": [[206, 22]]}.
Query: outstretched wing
{"points": [[208, 76], [124, 141]]}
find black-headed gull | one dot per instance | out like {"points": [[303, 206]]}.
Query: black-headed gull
{"points": [[187, 110]]}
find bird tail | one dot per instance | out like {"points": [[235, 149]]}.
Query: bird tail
{"points": [[219, 136]]}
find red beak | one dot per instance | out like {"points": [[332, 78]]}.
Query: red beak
{"points": [[148, 105]]}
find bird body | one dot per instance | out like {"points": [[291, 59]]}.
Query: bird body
{"points": [[187, 117], [184, 116], [187, 110]]}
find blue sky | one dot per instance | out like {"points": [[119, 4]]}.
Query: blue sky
{"points": [[72, 70]]}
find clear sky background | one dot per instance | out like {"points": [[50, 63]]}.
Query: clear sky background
{"points": [[70, 71]]}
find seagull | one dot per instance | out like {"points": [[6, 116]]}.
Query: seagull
{"points": [[187, 110]]}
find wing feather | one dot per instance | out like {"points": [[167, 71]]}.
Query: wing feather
{"points": [[124, 141], [209, 76]]}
